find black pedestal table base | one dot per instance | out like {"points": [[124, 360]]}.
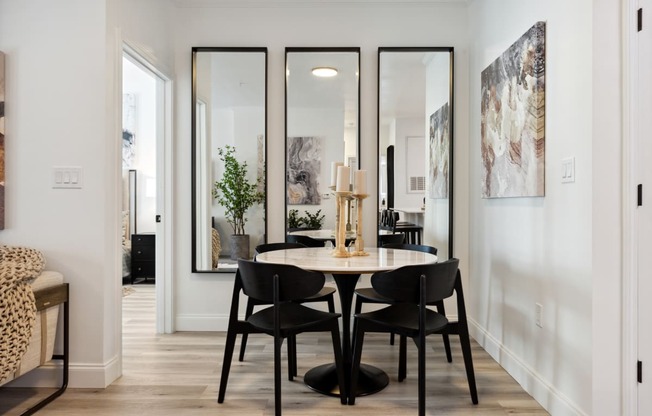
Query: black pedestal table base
{"points": [[323, 379]]}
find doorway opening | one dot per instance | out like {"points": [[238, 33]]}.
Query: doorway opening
{"points": [[145, 131]]}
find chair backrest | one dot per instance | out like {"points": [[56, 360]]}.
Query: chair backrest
{"points": [[404, 283], [396, 238], [388, 219], [304, 239], [414, 247], [264, 248], [294, 283]]}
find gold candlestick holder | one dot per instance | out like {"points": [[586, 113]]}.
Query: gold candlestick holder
{"points": [[340, 236], [359, 242]]}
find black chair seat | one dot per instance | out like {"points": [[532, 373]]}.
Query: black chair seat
{"points": [[403, 319], [369, 295], [294, 318], [395, 238], [324, 295]]}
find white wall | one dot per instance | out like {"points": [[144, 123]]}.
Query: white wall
{"points": [[202, 299], [59, 112], [529, 250]]}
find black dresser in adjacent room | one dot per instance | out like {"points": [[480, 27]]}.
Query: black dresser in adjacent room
{"points": [[143, 256]]}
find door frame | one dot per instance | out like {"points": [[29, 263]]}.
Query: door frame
{"points": [[631, 111], [164, 182]]}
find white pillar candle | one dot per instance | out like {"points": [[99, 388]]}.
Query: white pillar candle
{"points": [[360, 183], [343, 176], [334, 166]]}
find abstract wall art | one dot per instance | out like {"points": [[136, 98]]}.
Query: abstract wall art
{"points": [[303, 170], [439, 153], [2, 141], [128, 130], [513, 119]]}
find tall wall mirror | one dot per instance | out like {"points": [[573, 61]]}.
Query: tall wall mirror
{"points": [[322, 126], [229, 134], [415, 144]]}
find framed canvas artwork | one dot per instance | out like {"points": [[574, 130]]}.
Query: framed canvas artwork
{"points": [[513, 119], [439, 153], [303, 170], [128, 130]]}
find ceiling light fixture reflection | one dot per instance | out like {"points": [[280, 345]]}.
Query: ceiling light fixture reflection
{"points": [[324, 71]]}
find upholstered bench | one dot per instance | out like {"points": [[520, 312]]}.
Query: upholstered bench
{"points": [[50, 294]]}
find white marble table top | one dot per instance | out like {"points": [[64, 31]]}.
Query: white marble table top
{"points": [[320, 259]]}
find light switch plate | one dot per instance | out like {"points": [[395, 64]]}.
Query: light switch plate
{"points": [[66, 177], [568, 170]]}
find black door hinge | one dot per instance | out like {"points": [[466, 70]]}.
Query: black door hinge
{"points": [[158, 218], [639, 18], [639, 371], [639, 197]]}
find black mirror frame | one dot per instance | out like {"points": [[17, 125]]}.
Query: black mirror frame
{"points": [[195, 50], [316, 49], [451, 84]]}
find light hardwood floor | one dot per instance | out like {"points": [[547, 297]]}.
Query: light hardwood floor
{"points": [[179, 374]]}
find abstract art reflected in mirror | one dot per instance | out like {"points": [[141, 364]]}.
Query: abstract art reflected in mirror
{"points": [[415, 144], [229, 131], [322, 127]]}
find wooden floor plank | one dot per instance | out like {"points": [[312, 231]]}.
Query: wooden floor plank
{"points": [[179, 374]]}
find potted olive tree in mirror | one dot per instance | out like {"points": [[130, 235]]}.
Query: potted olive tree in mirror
{"points": [[236, 194]]}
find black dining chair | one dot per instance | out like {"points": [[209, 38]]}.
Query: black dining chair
{"points": [[326, 294], [369, 295], [304, 239], [411, 289], [396, 238], [390, 220], [284, 287]]}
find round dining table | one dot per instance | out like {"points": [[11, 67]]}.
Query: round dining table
{"points": [[346, 272]]}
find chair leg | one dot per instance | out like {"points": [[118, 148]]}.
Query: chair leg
{"points": [[358, 305], [468, 362], [358, 340], [331, 304], [277, 376], [422, 375], [292, 357], [447, 347], [339, 367], [444, 336], [243, 343], [391, 338], [226, 364], [402, 358]]}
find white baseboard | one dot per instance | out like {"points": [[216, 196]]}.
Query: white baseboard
{"points": [[545, 394], [79, 375]]}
